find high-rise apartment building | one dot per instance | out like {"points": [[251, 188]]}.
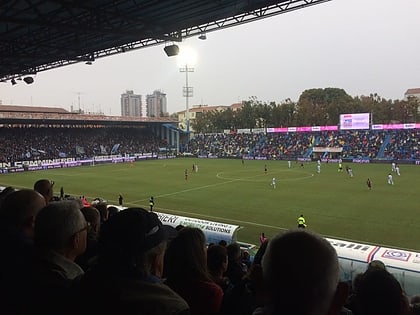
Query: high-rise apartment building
{"points": [[131, 104], [156, 104]]}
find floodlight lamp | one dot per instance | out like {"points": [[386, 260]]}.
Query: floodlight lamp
{"points": [[28, 80], [171, 50], [88, 63], [13, 81], [187, 56], [202, 36]]}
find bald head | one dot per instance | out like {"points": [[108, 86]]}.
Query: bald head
{"points": [[45, 188], [300, 270], [20, 209], [56, 226]]}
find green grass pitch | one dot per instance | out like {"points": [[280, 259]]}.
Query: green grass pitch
{"points": [[228, 191]]}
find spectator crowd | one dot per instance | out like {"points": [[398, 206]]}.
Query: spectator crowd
{"points": [[23, 144], [371, 144]]}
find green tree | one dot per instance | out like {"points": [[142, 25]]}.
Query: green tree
{"points": [[202, 123], [283, 114], [317, 107], [263, 114], [246, 116]]}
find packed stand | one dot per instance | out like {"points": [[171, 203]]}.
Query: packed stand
{"points": [[403, 145], [224, 145], [355, 143], [21, 144], [287, 145]]}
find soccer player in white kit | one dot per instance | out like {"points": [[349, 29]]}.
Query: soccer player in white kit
{"points": [[273, 182], [390, 179], [397, 169]]}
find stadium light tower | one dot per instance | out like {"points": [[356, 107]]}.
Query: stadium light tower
{"points": [[186, 61]]}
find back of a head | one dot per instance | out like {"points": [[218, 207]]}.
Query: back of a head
{"points": [[234, 251], [376, 264], [379, 292], [223, 243], [103, 210], [45, 188], [216, 258], [21, 206], [301, 273], [185, 258], [112, 210], [93, 217], [5, 192], [127, 236], [57, 223]]}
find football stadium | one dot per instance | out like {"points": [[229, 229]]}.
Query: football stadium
{"points": [[306, 207], [236, 185], [233, 184]]}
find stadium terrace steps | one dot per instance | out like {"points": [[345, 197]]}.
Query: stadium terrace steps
{"points": [[382, 149]]}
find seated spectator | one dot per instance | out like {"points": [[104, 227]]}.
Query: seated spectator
{"points": [[93, 219], [306, 280], [17, 220], [112, 210], [186, 272], [243, 297], [5, 192], [376, 264], [127, 276], [18, 212], [223, 243], [60, 236], [236, 269], [46, 188], [352, 302], [246, 259], [103, 210], [217, 262], [380, 293]]}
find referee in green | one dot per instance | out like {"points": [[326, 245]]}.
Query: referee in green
{"points": [[301, 222]]}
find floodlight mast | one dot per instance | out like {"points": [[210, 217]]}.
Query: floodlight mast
{"points": [[187, 93]]}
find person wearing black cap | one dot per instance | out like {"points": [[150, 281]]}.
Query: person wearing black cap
{"points": [[127, 276]]}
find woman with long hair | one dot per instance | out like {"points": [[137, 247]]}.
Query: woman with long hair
{"points": [[187, 274]]}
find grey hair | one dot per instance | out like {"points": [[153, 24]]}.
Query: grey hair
{"points": [[57, 223], [148, 257], [301, 272]]}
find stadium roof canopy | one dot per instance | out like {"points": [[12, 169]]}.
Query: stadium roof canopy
{"points": [[37, 35]]}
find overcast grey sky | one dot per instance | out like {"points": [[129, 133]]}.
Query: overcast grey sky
{"points": [[361, 46]]}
